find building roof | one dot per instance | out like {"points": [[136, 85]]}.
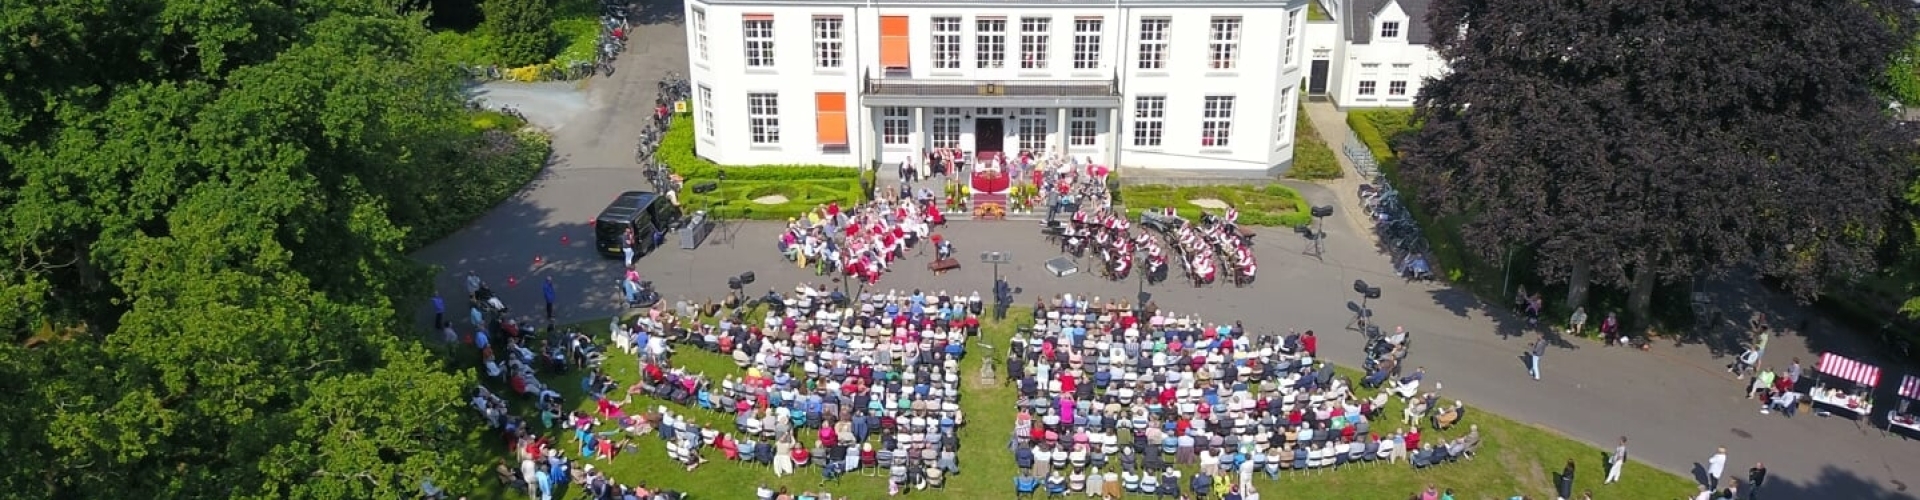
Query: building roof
{"points": [[1360, 24]]}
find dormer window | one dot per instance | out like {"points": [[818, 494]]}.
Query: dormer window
{"points": [[1390, 30]]}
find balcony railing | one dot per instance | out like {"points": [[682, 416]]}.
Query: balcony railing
{"points": [[991, 88]]}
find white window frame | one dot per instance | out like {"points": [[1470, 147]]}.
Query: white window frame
{"points": [[1402, 66], [1367, 87], [1032, 134], [1036, 37], [1397, 87], [763, 118], [1283, 124], [1223, 42], [1291, 33], [1216, 122], [1087, 32], [945, 128], [896, 126], [758, 36], [1149, 121], [990, 42], [706, 111], [1083, 127], [1390, 29], [1156, 34], [829, 42], [700, 32], [946, 42]]}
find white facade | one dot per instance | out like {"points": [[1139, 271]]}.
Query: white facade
{"points": [[1377, 57], [1167, 84]]}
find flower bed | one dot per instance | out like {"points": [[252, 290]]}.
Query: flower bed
{"points": [[804, 186], [1271, 205]]}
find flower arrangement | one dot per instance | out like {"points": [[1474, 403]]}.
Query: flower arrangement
{"points": [[990, 211]]}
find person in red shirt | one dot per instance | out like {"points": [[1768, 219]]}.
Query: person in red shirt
{"points": [[1310, 344], [1413, 438]]}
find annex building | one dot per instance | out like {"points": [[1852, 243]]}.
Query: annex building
{"points": [[1204, 85]]}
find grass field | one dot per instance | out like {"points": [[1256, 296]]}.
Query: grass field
{"points": [[1515, 459]]}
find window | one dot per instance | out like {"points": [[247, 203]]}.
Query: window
{"points": [[763, 118], [1216, 122], [1149, 120], [700, 32], [1034, 34], [1086, 43], [830, 120], [826, 42], [990, 43], [1369, 65], [1397, 87], [1033, 134], [1082, 125], [1390, 29], [1153, 42], [895, 125], [946, 128], [759, 31], [1223, 45], [706, 110], [1282, 123], [1293, 19], [946, 43], [1366, 87], [1402, 66]]}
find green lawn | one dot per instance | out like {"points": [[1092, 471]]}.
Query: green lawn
{"points": [[1514, 459], [1269, 205]]}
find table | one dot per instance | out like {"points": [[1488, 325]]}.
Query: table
{"points": [[1842, 403], [1914, 426]]}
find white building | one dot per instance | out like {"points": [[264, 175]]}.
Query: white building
{"points": [[1204, 85], [1377, 57]]}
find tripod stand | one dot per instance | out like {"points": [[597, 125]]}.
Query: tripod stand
{"points": [[1362, 315]]}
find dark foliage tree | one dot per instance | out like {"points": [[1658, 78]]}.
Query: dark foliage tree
{"points": [[1630, 143], [522, 30]]}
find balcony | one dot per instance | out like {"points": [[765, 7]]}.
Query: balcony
{"points": [[897, 92]]}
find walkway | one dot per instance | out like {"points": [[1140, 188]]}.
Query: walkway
{"points": [[1673, 403]]}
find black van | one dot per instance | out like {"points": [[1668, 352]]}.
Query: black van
{"points": [[649, 215]]}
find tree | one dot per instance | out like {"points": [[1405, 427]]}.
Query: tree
{"points": [[522, 30], [1631, 143]]}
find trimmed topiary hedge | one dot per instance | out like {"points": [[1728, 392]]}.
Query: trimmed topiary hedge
{"points": [[1270, 205], [805, 186]]}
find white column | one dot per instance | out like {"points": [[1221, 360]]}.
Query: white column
{"points": [[1060, 133], [1114, 137], [918, 132]]}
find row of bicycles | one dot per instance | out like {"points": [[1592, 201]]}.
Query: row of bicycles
{"points": [[615, 26], [1397, 229], [670, 91]]}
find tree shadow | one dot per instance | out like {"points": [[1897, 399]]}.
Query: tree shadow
{"points": [[659, 11], [1833, 482]]}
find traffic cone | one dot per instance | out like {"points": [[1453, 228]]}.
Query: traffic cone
{"points": [[512, 281], [537, 261], [563, 240]]}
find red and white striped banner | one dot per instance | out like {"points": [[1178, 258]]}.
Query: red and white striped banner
{"points": [[1839, 366], [1910, 387]]}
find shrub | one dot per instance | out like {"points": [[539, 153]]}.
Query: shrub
{"points": [[522, 30], [1379, 129], [1312, 159], [1271, 205]]}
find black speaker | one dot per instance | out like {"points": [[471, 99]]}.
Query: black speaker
{"points": [[746, 278], [1325, 211], [733, 282], [1360, 286], [705, 187], [1372, 293]]}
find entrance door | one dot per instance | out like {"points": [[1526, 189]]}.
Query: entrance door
{"points": [[1317, 77], [989, 135]]}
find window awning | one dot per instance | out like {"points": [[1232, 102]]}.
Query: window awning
{"points": [[830, 118], [1848, 369], [896, 46]]}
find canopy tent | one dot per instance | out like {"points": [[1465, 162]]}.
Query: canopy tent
{"points": [[1910, 387], [1848, 369]]}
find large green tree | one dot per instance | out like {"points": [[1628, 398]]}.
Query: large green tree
{"points": [[203, 209], [1631, 143]]}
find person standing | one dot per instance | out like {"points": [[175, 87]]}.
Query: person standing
{"points": [[626, 245], [439, 311], [1716, 466], [1534, 353], [1564, 487], [547, 291], [1756, 476], [1578, 322], [1616, 461]]}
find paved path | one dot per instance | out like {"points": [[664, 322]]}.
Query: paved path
{"points": [[1674, 402]]}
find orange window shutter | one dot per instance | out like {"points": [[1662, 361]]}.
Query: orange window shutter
{"points": [[895, 45], [830, 117]]}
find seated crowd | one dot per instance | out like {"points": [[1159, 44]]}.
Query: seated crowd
{"points": [[1111, 403], [862, 242], [843, 385]]}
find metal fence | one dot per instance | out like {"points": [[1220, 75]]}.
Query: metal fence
{"points": [[1361, 156]]}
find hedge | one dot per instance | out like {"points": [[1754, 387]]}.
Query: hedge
{"points": [[806, 186], [1271, 205]]}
